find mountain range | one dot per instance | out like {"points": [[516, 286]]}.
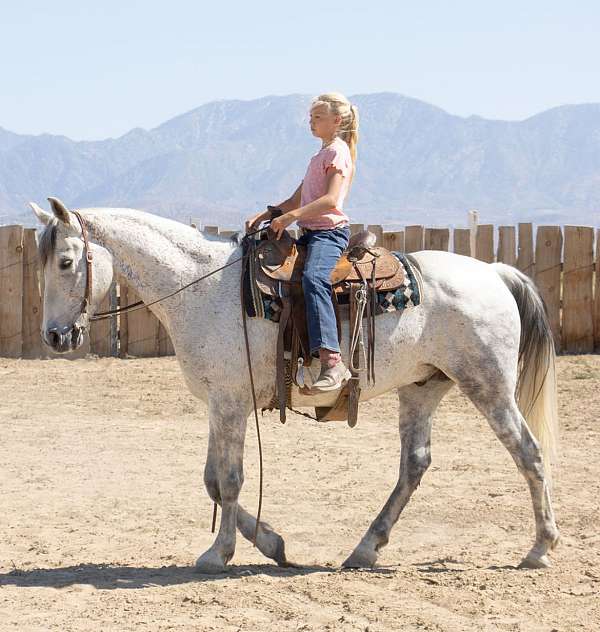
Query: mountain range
{"points": [[417, 164]]}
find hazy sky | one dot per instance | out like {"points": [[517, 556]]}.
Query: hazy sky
{"points": [[96, 69]]}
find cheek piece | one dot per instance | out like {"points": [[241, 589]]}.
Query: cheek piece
{"points": [[84, 317]]}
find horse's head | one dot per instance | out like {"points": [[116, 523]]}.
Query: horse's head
{"points": [[64, 260]]}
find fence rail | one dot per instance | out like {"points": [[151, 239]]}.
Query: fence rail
{"points": [[564, 262]]}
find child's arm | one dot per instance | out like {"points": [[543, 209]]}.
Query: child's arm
{"points": [[314, 209], [292, 202]]}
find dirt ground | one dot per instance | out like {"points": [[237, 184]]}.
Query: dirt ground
{"points": [[104, 513]]}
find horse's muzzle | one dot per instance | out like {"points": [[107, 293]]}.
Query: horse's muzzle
{"points": [[64, 339]]}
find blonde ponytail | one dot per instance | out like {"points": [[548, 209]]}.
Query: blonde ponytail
{"points": [[339, 105], [352, 133]]}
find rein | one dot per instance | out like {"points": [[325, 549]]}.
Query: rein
{"points": [[138, 304], [141, 305]]}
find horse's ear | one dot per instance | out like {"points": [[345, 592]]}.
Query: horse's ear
{"points": [[40, 213], [59, 209]]}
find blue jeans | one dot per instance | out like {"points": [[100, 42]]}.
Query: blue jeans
{"points": [[324, 248]]}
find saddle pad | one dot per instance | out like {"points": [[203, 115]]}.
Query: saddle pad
{"points": [[408, 294]]}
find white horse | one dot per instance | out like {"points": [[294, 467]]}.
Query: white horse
{"points": [[482, 327]]}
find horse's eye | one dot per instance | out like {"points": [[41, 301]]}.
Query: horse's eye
{"points": [[65, 264]]}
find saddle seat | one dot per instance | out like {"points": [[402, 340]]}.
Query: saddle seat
{"points": [[279, 264]]}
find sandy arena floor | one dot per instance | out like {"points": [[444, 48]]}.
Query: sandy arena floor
{"points": [[104, 513]]}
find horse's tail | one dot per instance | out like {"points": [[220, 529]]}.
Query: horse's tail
{"points": [[536, 384]]}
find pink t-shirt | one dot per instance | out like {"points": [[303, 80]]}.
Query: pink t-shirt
{"points": [[334, 156]]}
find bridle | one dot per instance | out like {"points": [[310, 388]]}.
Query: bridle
{"points": [[87, 296], [89, 256]]}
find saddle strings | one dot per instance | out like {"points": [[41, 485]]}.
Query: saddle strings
{"points": [[371, 307], [357, 330]]}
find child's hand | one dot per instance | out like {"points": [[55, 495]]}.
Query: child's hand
{"points": [[256, 219], [279, 224]]}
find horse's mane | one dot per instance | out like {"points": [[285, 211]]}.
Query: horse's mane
{"points": [[47, 242]]}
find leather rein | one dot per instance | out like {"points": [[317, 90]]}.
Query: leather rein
{"points": [[87, 297]]}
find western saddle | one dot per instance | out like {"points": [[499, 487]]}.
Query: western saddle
{"points": [[362, 271]]}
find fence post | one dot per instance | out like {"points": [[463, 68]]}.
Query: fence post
{"points": [[436, 239], [413, 238], [32, 298], [394, 241], [548, 251], [507, 245], [484, 246], [578, 324], [11, 291], [462, 241], [525, 250]]}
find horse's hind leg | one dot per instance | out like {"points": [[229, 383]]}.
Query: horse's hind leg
{"points": [[500, 409], [417, 405]]}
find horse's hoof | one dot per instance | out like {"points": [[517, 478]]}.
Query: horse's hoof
{"points": [[535, 562], [279, 553], [360, 559], [210, 563]]}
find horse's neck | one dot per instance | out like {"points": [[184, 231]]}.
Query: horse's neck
{"points": [[153, 254]]}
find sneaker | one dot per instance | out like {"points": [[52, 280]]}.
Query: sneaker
{"points": [[331, 379]]}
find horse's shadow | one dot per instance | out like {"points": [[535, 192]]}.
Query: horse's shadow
{"points": [[111, 577]]}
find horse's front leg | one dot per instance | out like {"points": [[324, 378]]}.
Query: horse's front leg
{"points": [[227, 427], [268, 542]]}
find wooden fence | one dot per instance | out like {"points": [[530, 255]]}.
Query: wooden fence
{"points": [[559, 259]]}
